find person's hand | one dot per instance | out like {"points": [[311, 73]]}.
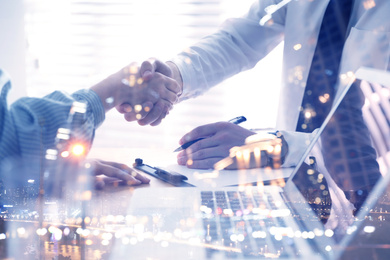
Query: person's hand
{"points": [[218, 139], [152, 71], [109, 172], [135, 97]]}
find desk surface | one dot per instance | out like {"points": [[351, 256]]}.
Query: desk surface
{"points": [[75, 228], [199, 178], [87, 229], [71, 228]]}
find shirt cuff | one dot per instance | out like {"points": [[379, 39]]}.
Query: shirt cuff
{"points": [[184, 69], [298, 143], [94, 103]]}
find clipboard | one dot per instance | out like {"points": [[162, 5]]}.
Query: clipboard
{"points": [[170, 177]]}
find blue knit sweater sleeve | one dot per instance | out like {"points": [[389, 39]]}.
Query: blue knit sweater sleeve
{"points": [[29, 126]]}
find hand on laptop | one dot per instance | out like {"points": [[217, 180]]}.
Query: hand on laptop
{"points": [[219, 138], [110, 172]]}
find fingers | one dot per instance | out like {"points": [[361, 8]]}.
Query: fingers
{"points": [[156, 89], [219, 138], [173, 86], [151, 114], [201, 156], [102, 181], [147, 69], [161, 86], [163, 68], [136, 113], [203, 144], [158, 96], [203, 131], [151, 66], [119, 171], [155, 71], [201, 164], [157, 114], [157, 86]]}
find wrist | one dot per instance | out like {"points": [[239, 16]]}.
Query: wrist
{"points": [[176, 75], [107, 93]]}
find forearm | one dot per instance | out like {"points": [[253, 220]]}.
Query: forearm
{"points": [[106, 90], [31, 124], [238, 46]]}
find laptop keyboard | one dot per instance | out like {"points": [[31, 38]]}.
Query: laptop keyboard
{"points": [[245, 224]]}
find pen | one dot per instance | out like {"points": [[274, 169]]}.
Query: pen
{"points": [[236, 120]]}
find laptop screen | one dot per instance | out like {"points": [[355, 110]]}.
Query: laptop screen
{"points": [[347, 160]]}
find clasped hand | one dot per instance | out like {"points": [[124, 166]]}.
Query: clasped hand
{"points": [[144, 95], [161, 86], [153, 93]]}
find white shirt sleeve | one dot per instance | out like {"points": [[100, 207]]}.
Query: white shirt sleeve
{"points": [[238, 45]]}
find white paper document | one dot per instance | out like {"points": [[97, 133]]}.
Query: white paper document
{"points": [[211, 178]]}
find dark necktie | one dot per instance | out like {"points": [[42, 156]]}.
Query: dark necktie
{"points": [[319, 93]]}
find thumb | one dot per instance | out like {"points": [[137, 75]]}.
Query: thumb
{"points": [[151, 66]]}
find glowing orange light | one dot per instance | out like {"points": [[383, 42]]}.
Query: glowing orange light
{"points": [[128, 108], [247, 156], [187, 60], [369, 4], [278, 148], [87, 220], [308, 114], [78, 150], [137, 108], [133, 69], [297, 46], [323, 99], [86, 195], [343, 76], [298, 73], [79, 220]]}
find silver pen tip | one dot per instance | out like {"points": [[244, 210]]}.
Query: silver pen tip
{"points": [[178, 150]]}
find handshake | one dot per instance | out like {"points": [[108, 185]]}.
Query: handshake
{"points": [[143, 93]]}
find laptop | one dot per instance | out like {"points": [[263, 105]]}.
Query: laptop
{"points": [[317, 214]]}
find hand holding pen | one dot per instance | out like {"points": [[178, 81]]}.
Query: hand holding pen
{"points": [[213, 143], [236, 120]]}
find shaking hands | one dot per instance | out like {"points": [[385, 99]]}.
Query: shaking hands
{"points": [[143, 93]]}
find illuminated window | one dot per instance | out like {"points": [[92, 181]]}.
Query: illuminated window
{"points": [[75, 43]]}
